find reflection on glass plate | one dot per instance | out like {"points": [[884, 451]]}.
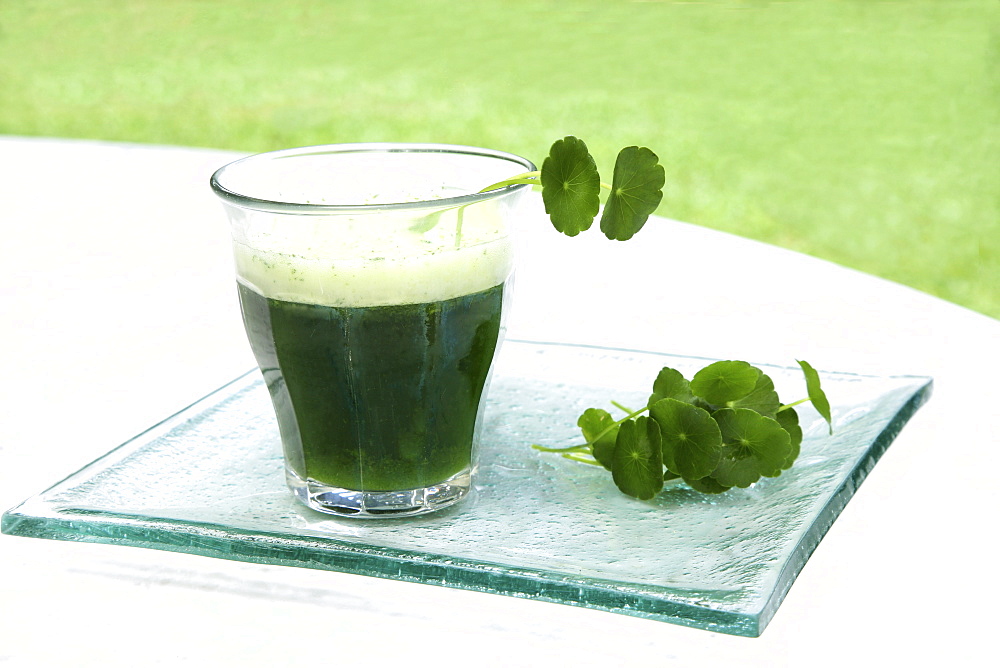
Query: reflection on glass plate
{"points": [[210, 481]]}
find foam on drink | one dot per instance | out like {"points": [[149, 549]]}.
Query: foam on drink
{"points": [[369, 261]]}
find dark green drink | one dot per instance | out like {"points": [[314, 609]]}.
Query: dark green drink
{"points": [[380, 398]]}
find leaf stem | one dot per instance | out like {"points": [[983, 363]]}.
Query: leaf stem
{"points": [[611, 426], [458, 227], [794, 403], [587, 448], [582, 460], [625, 409], [531, 178], [572, 448]]}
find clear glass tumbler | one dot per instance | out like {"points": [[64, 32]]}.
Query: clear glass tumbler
{"points": [[373, 280]]}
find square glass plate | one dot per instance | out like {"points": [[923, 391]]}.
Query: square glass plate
{"points": [[210, 481]]}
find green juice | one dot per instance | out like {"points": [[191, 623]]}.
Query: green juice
{"points": [[376, 398]]}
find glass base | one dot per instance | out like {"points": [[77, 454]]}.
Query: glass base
{"points": [[368, 505]]}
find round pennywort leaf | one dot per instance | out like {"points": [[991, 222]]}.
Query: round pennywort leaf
{"points": [[690, 438], [762, 398], [571, 186], [638, 462], [636, 191], [789, 421], [722, 382], [670, 384], [597, 422], [707, 485], [754, 445]]}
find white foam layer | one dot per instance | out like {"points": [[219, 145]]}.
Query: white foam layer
{"points": [[411, 280], [374, 261]]}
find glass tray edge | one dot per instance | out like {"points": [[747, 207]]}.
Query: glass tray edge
{"points": [[552, 587], [839, 500]]}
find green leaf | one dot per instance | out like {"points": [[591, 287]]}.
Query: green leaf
{"points": [[636, 191], [707, 485], [670, 384], [571, 186], [762, 398], [701, 403], [754, 446], [789, 421], [816, 394], [638, 462], [604, 453], [593, 422], [690, 438], [722, 382]]}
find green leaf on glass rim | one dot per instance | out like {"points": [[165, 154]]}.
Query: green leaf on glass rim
{"points": [[722, 382], [762, 398], [789, 421], [636, 191], [593, 422], [707, 485], [690, 439], [571, 186], [816, 394], [670, 384], [754, 445], [638, 462]]}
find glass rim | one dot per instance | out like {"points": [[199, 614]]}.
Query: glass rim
{"points": [[276, 206]]}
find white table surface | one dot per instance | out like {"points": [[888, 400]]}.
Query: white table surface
{"points": [[118, 308]]}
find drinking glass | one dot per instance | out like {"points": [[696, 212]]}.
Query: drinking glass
{"points": [[373, 281]]}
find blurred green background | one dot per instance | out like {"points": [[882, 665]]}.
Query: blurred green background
{"points": [[860, 131]]}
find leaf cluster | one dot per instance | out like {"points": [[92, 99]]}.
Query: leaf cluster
{"points": [[571, 188], [723, 428]]}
